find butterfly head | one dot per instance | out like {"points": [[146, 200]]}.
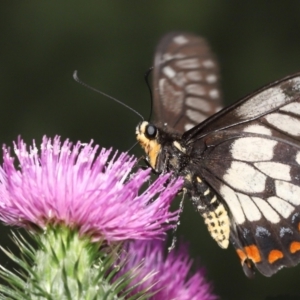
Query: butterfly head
{"points": [[147, 135]]}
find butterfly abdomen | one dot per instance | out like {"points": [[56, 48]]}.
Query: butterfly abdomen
{"points": [[207, 203]]}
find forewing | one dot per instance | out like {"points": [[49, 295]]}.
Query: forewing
{"points": [[255, 169], [185, 81], [279, 101]]}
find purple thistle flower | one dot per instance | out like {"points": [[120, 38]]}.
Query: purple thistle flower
{"points": [[73, 186], [166, 276]]}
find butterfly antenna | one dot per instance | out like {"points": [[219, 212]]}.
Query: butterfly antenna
{"points": [[149, 87], [76, 78]]}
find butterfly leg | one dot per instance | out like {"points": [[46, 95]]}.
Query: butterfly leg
{"points": [[174, 239]]}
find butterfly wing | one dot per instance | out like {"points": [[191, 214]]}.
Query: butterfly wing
{"points": [[264, 101], [252, 161], [186, 81]]}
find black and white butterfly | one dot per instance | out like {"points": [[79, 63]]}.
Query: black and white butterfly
{"points": [[241, 165]]}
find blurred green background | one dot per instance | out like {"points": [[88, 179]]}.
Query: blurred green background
{"points": [[111, 44]]}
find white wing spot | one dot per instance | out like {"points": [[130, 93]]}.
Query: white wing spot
{"points": [[275, 170], [198, 103], [188, 63], [285, 230], [170, 56], [188, 126], [179, 79], [298, 157], [251, 211], [261, 103], [262, 232], [288, 191], [253, 149], [214, 94], [258, 129], [292, 107], [195, 89], [295, 216], [233, 203], [282, 207], [166, 89], [285, 123], [195, 115], [295, 83], [269, 213], [245, 178], [194, 75], [169, 72], [211, 78], [208, 64], [180, 39]]}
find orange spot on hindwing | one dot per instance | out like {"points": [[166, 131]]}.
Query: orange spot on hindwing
{"points": [[253, 253], [241, 255], [294, 247], [274, 255], [249, 253]]}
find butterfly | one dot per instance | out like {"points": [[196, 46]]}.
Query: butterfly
{"points": [[240, 164]]}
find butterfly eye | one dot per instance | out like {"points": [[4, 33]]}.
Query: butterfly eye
{"points": [[151, 131]]}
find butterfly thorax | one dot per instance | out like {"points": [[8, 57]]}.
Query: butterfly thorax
{"points": [[167, 152]]}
